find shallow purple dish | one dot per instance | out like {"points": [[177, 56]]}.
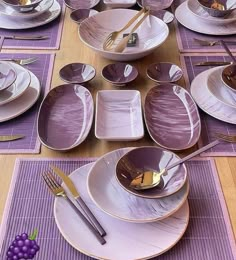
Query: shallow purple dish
{"points": [[81, 4], [150, 158], [80, 14], [77, 73], [164, 72], [22, 6], [172, 117], [65, 117], [119, 73], [154, 4], [7, 75]]}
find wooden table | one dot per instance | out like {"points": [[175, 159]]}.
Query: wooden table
{"points": [[73, 50]]}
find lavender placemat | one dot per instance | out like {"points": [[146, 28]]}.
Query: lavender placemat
{"points": [[186, 42], [26, 123], [53, 30], [210, 125], [29, 205]]}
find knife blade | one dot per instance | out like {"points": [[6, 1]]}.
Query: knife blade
{"points": [[15, 37], [213, 63], [6, 138], [70, 185]]}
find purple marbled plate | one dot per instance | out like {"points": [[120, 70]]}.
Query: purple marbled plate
{"points": [[149, 240], [109, 196], [65, 117], [7, 75], [77, 73], [119, 3], [81, 4], [154, 4], [80, 14], [172, 117], [118, 115]]}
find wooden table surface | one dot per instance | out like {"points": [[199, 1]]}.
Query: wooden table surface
{"points": [[73, 50]]}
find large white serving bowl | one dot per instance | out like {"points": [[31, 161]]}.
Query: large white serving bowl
{"points": [[94, 30]]}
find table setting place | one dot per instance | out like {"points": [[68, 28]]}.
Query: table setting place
{"points": [[140, 199]]}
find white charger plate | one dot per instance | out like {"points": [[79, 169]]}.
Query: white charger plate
{"points": [[20, 85], [51, 14], [125, 240], [208, 102], [23, 103], [192, 22]]}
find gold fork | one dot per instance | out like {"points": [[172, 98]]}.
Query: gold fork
{"points": [[226, 138], [110, 40], [59, 191], [22, 61]]}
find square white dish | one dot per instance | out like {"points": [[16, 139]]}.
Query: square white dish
{"points": [[119, 3]]}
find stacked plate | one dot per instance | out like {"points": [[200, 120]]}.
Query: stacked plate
{"points": [[45, 12], [136, 227], [21, 90]]}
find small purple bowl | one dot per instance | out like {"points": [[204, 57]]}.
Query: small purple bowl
{"points": [[22, 6], [77, 73], [81, 14], [120, 73]]}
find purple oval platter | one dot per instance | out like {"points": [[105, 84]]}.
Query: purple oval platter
{"points": [[7, 75], [65, 117], [172, 117]]}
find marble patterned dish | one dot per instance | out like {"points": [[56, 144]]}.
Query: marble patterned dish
{"points": [[22, 6], [119, 3], [81, 4], [65, 117], [208, 102], [113, 199], [149, 239], [118, 115], [172, 117], [94, 30], [7, 75], [155, 4], [81, 14]]}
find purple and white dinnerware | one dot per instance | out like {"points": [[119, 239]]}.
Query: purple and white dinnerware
{"points": [[119, 73], [65, 117], [172, 117], [118, 115], [113, 199], [154, 4], [22, 5], [81, 4], [80, 14], [94, 30], [77, 73], [165, 16], [7, 75], [119, 3], [164, 72], [229, 77]]}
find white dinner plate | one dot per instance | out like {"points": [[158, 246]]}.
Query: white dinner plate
{"points": [[192, 22], [51, 14], [208, 102], [125, 240], [42, 7], [23, 103], [20, 85]]}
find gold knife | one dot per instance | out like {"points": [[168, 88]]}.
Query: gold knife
{"points": [[5, 138], [70, 185], [212, 63], [33, 37]]}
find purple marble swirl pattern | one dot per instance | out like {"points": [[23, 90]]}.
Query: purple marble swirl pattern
{"points": [[30, 205], [172, 117], [210, 125]]}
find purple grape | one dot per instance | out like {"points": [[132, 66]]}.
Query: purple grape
{"points": [[20, 255], [16, 250], [24, 236], [32, 251], [20, 243], [36, 247], [9, 254], [26, 256], [18, 238], [11, 248], [24, 249], [14, 243], [28, 242], [15, 257]]}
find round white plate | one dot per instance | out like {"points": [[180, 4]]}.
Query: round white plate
{"points": [[23, 103], [209, 103], [219, 90], [190, 21], [20, 85], [42, 7], [112, 198], [51, 14], [125, 240]]}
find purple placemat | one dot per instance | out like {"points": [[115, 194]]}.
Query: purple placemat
{"points": [[210, 125], [29, 205], [53, 30], [187, 44], [26, 123]]}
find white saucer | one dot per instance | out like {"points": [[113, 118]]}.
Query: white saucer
{"points": [[51, 14], [125, 240], [209, 103], [192, 22], [23, 103]]}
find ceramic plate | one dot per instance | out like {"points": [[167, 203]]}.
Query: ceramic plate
{"points": [[148, 240], [51, 14], [20, 85], [81, 4], [7, 75], [165, 16], [119, 3], [155, 4], [118, 115], [209, 103], [65, 117], [192, 22], [22, 103], [219, 90], [172, 117], [109, 196]]}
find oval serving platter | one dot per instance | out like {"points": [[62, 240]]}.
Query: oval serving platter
{"points": [[65, 117], [172, 117]]}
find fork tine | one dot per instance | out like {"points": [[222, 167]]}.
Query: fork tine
{"points": [[45, 178], [28, 60]]}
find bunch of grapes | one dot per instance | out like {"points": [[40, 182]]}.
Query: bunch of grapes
{"points": [[23, 247]]}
